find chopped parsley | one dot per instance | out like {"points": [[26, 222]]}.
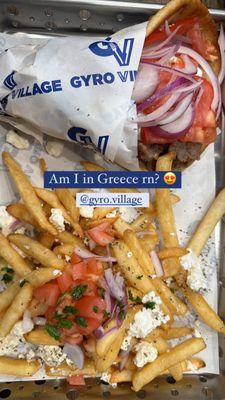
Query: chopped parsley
{"points": [[78, 291], [81, 321], [139, 277], [22, 283], [53, 331], [70, 310], [122, 315], [106, 313], [136, 299], [61, 297], [150, 304], [8, 275], [101, 292], [65, 323], [95, 309], [8, 270]]}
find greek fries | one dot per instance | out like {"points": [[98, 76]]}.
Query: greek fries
{"points": [[13, 258], [18, 367], [67, 199], [40, 336]]}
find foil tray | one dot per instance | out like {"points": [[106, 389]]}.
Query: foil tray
{"points": [[67, 17]]}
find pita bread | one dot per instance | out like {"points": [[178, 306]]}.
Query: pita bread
{"points": [[179, 9]]}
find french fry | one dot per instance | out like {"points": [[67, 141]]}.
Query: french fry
{"points": [[52, 200], [132, 271], [130, 361], [40, 336], [11, 256], [37, 251], [177, 354], [16, 309], [37, 309], [173, 302], [207, 224], [7, 296], [133, 293], [42, 165], [18, 367], [66, 370], [105, 362], [197, 362], [163, 347], [20, 212], [149, 242], [172, 252], [171, 266], [139, 253], [201, 306], [121, 376], [101, 212], [103, 344], [142, 222], [176, 332], [120, 226], [68, 238], [67, 199], [28, 194], [40, 276], [46, 239], [64, 250]]}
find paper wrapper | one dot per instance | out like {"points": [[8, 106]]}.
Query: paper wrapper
{"points": [[198, 191]]}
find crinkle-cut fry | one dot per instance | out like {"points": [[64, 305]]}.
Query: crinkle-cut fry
{"points": [[28, 194], [68, 238], [52, 200], [10, 255], [207, 224], [166, 360], [68, 200], [172, 252], [15, 311], [139, 253], [67, 370], [18, 367], [101, 212], [134, 274], [39, 336], [36, 308], [36, 251], [103, 344], [173, 302], [142, 222], [46, 239], [201, 306], [7, 296], [43, 165], [20, 212], [105, 362], [176, 332], [121, 376]]}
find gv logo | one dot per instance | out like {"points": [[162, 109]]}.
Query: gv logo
{"points": [[78, 134], [9, 81], [105, 48]]}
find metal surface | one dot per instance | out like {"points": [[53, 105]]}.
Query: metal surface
{"points": [[105, 16]]}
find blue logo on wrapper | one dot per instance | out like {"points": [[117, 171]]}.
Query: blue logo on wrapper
{"points": [[79, 135], [105, 48], [112, 179], [9, 81]]}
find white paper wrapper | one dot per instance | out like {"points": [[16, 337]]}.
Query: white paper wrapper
{"points": [[196, 195], [73, 88]]}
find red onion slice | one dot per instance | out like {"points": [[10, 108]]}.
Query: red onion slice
{"points": [[190, 67], [157, 264], [115, 284], [100, 332], [178, 128], [155, 54], [221, 42], [164, 42], [15, 225], [208, 70], [124, 355], [85, 254], [145, 83], [144, 120], [174, 71], [75, 354], [178, 110]]}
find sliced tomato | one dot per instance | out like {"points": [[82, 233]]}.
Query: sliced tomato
{"points": [[200, 135], [91, 307], [75, 259], [50, 313], [101, 234], [201, 44], [76, 380], [92, 324], [94, 268], [65, 281], [91, 287], [66, 301], [148, 137], [204, 116], [160, 35], [79, 271], [48, 293]]}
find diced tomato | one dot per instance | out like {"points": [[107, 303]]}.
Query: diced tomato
{"points": [[65, 281], [48, 293], [50, 313], [71, 331], [66, 301], [160, 35], [79, 271], [91, 307], [75, 259], [94, 268], [92, 324], [101, 234], [201, 44], [76, 380], [91, 287]]}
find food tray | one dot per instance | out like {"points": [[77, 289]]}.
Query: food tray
{"points": [[61, 17]]}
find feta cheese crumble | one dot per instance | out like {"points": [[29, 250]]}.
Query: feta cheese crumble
{"points": [[195, 279], [87, 212], [128, 214], [147, 319], [57, 219], [105, 377], [6, 220], [17, 140], [111, 214], [52, 355], [54, 147], [146, 353], [126, 343]]}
